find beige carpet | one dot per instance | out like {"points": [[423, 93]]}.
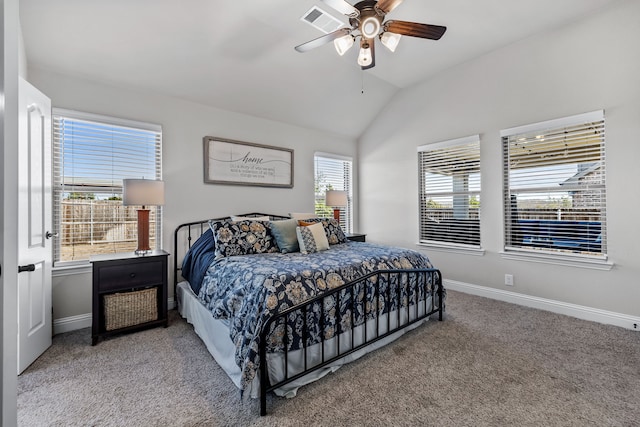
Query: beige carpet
{"points": [[488, 364]]}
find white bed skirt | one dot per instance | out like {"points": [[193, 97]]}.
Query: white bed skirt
{"points": [[215, 335]]}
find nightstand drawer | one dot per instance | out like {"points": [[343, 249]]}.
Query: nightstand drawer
{"points": [[124, 276]]}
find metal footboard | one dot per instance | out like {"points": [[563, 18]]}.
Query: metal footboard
{"points": [[416, 294]]}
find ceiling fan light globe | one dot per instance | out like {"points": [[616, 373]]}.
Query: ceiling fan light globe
{"points": [[343, 44], [390, 40], [370, 27], [364, 58]]}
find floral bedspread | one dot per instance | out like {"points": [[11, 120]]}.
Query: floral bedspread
{"points": [[245, 291]]}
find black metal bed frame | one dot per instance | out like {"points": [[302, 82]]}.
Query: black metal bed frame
{"points": [[424, 282]]}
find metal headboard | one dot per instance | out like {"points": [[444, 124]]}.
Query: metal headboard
{"points": [[186, 234]]}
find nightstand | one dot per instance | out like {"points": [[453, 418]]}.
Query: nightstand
{"points": [[356, 237], [129, 292]]}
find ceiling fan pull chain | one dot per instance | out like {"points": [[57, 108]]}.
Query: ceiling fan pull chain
{"points": [[362, 87]]}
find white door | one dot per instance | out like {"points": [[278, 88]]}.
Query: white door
{"points": [[34, 225]]}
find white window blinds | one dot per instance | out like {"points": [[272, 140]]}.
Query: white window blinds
{"points": [[92, 155], [554, 186], [450, 192], [333, 172]]}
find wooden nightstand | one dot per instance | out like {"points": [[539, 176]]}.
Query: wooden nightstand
{"points": [[129, 292], [356, 237]]}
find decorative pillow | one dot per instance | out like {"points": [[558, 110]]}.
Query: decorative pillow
{"points": [[242, 238], [332, 229], [249, 218], [302, 215], [312, 239], [309, 221], [285, 234]]}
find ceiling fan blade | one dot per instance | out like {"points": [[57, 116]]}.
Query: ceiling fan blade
{"points": [[413, 29], [343, 7], [373, 56], [387, 6], [304, 47]]}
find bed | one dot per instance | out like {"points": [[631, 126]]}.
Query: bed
{"points": [[302, 310]]}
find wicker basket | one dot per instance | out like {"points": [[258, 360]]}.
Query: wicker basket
{"points": [[130, 308]]}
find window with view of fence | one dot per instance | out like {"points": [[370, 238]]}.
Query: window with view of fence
{"points": [[89, 227], [92, 156]]}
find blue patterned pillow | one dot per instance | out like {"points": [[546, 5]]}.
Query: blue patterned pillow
{"points": [[242, 238], [332, 229], [312, 239]]}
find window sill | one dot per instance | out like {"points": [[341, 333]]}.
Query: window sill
{"points": [[559, 259], [464, 250], [69, 270]]}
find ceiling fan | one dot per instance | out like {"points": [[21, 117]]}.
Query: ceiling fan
{"points": [[367, 22]]}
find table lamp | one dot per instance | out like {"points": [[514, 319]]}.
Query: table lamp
{"points": [[143, 192], [336, 199]]}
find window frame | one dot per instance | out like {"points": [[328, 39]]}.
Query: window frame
{"points": [[548, 131], [347, 213], [60, 188], [447, 150]]}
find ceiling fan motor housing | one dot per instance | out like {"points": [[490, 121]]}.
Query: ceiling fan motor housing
{"points": [[370, 20]]}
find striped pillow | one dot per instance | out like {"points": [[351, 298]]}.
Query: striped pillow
{"points": [[312, 238]]}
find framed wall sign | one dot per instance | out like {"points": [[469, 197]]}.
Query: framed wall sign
{"points": [[243, 163]]}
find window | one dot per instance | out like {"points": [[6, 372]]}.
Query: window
{"points": [[554, 186], [333, 173], [92, 155], [450, 192]]}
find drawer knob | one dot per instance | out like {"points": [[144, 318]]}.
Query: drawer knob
{"points": [[132, 275]]}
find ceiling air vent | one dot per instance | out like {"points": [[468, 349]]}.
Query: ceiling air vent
{"points": [[322, 20]]}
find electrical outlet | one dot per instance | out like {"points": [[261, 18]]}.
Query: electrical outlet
{"points": [[508, 279]]}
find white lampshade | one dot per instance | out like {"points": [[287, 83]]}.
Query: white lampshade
{"points": [[390, 40], [336, 198], [144, 192], [365, 57], [343, 44]]}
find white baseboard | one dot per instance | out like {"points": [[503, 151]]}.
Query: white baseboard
{"points": [[73, 323], [579, 311], [68, 324]]}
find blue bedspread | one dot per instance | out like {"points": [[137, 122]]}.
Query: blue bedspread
{"points": [[245, 291]]}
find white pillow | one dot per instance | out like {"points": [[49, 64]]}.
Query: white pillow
{"points": [[312, 238], [298, 215], [251, 218]]}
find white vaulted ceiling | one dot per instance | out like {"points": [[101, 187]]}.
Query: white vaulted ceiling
{"points": [[239, 54]]}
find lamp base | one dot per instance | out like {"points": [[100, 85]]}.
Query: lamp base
{"points": [[336, 214], [143, 232]]}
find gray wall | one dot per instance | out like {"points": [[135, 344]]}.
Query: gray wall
{"points": [[589, 65], [184, 124]]}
